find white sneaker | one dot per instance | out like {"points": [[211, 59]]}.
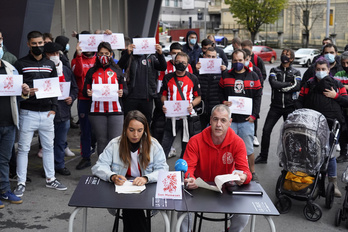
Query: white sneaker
{"points": [[338, 147], [39, 154], [68, 152], [172, 152], [256, 142]]}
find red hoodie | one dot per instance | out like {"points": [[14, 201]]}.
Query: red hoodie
{"points": [[206, 160]]}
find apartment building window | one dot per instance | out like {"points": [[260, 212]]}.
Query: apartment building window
{"points": [[176, 3], [166, 3]]}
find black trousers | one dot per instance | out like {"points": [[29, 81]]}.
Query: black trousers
{"points": [[143, 105], [134, 220]]}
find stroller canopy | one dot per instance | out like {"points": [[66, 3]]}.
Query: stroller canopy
{"points": [[304, 142]]}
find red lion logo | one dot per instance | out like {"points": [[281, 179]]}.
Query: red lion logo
{"points": [[241, 104], [106, 91], [47, 85], [227, 158], [170, 183], [114, 39], [177, 106], [61, 88], [8, 83], [210, 64], [145, 44], [91, 41]]}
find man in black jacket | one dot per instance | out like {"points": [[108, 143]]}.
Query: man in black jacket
{"points": [[141, 75], [36, 114], [285, 82]]}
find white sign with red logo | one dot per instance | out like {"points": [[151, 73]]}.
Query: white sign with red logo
{"points": [[64, 89], [241, 105], [176, 108], [144, 46], [169, 185], [47, 87], [211, 66], [104, 92], [90, 42], [11, 85], [116, 40]]}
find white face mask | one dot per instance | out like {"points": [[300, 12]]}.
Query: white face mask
{"points": [[55, 59], [173, 57]]}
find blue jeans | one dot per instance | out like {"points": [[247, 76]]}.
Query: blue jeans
{"points": [[30, 121], [84, 107], [60, 134], [7, 139]]}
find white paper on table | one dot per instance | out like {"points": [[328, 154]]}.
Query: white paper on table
{"points": [[47, 87], [11, 85], [90, 42], [104, 92], [241, 105], [144, 46], [129, 188], [176, 108], [116, 40], [211, 66], [64, 89], [168, 185]]}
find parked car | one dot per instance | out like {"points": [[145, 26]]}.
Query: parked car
{"points": [[265, 53], [228, 51], [304, 56], [166, 48]]}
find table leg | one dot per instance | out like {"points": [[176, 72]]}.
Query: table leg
{"points": [[172, 219], [253, 220], [271, 223], [178, 223], [84, 220], [72, 218], [166, 220]]}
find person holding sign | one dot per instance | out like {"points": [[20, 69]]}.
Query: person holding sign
{"points": [[209, 87], [217, 150], [134, 154], [62, 118], [106, 114], [181, 87], [36, 114], [8, 125], [240, 81]]}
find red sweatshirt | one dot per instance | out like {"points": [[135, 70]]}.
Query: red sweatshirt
{"points": [[206, 160]]}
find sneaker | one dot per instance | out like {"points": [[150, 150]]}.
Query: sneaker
{"points": [[256, 142], [255, 178], [19, 190], [84, 163], [39, 154], [342, 159], [260, 160], [12, 198], [338, 147], [55, 184], [172, 152], [1, 205], [13, 177], [68, 152], [92, 150], [63, 171]]}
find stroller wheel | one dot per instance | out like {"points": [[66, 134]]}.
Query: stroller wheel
{"points": [[330, 194], [338, 217], [312, 212], [283, 204], [277, 191]]}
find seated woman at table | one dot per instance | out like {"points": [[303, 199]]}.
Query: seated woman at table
{"points": [[133, 154]]}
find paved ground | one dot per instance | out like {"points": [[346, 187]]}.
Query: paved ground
{"points": [[45, 209]]}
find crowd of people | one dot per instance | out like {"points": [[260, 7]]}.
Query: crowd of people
{"points": [[133, 136]]}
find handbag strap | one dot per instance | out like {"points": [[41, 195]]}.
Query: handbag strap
{"points": [[179, 88]]}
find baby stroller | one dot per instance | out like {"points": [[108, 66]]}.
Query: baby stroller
{"points": [[342, 214], [304, 149]]}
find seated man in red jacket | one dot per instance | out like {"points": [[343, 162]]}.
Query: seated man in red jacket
{"points": [[217, 150]]}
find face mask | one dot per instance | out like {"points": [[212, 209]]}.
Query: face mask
{"points": [[104, 59], [37, 50], [173, 57], [330, 58], [247, 63], [180, 67], [321, 74], [237, 66], [55, 59], [1, 52], [344, 68], [193, 41], [284, 59]]}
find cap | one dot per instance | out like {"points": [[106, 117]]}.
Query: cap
{"points": [[52, 47]]}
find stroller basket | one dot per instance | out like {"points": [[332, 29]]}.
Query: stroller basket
{"points": [[298, 182]]}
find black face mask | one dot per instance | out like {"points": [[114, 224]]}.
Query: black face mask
{"points": [[180, 67], [284, 59], [37, 50], [345, 69]]}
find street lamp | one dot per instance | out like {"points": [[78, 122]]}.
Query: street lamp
{"points": [[205, 17]]}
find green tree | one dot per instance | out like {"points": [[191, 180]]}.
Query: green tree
{"points": [[252, 14]]}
